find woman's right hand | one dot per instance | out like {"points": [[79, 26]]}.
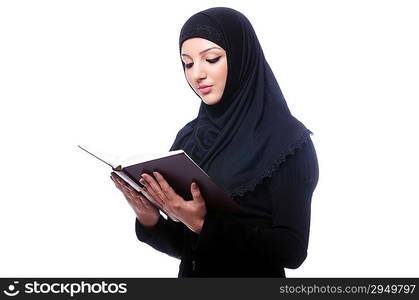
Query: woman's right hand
{"points": [[147, 213]]}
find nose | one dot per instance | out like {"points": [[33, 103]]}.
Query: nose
{"points": [[199, 73]]}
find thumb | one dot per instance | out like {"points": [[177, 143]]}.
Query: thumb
{"points": [[196, 192]]}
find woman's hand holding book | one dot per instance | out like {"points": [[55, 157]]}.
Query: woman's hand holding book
{"points": [[147, 213], [191, 213]]}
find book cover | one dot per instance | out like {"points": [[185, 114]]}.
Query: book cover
{"points": [[179, 170]]}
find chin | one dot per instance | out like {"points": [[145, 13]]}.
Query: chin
{"points": [[210, 101]]}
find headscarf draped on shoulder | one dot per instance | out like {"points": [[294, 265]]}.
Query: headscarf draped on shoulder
{"points": [[246, 135]]}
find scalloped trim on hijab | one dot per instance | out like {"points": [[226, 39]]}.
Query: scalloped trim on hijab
{"points": [[268, 173]]}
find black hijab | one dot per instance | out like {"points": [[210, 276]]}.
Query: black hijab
{"points": [[246, 135]]}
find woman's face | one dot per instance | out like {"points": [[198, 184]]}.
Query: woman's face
{"points": [[205, 65]]}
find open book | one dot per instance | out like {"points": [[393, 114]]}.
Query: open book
{"points": [[179, 170]]}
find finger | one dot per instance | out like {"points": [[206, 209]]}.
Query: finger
{"points": [[165, 187], [155, 200], [118, 186], [196, 192], [146, 203], [115, 177], [125, 186], [154, 189], [130, 194], [138, 199], [134, 205], [153, 184], [121, 182], [115, 182], [134, 201], [118, 180], [126, 189], [139, 204]]}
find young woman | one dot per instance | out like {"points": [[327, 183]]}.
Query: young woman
{"points": [[246, 139]]}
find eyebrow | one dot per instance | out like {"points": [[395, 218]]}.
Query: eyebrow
{"points": [[203, 51]]}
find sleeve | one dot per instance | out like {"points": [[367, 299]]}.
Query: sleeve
{"points": [[166, 236], [285, 243]]}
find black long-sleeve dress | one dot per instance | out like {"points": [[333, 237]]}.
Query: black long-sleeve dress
{"points": [[272, 237]]}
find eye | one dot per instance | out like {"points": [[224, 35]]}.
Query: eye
{"points": [[214, 60], [211, 61]]}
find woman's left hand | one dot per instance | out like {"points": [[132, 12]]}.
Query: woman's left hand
{"points": [[191, 213]]}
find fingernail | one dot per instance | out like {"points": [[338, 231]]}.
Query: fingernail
{"points": [[155, 174], [194, 186], [142, 181]]}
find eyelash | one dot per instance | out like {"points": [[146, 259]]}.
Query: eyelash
{"points": [[211, 61]]}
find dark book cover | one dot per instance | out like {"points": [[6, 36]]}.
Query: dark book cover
{"points": [[179, 170]]}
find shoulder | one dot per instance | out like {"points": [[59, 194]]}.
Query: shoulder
{"points": [[299, 166], [187, 128], [298, 170], [183, 133]]}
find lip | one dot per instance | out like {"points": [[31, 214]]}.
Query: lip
{"points": [[205, 89]]}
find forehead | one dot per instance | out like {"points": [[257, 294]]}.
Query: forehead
{"points": [[196, 45]]}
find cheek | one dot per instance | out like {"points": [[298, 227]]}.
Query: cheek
{"points": [[219, 73], [222, 75], [224, 79], [188, 77]]}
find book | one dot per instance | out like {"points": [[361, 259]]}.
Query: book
{"points": [[179, 170]]}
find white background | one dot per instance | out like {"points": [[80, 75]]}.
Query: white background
{"points": [[107, 74]]}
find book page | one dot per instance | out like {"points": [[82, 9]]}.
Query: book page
{"points": [[107, 158], [115, 161], [135, 159]]}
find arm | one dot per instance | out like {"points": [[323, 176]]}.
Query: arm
{"points": [[166, 236], [285, 242], [163, 235]]}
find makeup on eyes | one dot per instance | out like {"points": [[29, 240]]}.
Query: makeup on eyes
{"points": [[212, 61]]}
